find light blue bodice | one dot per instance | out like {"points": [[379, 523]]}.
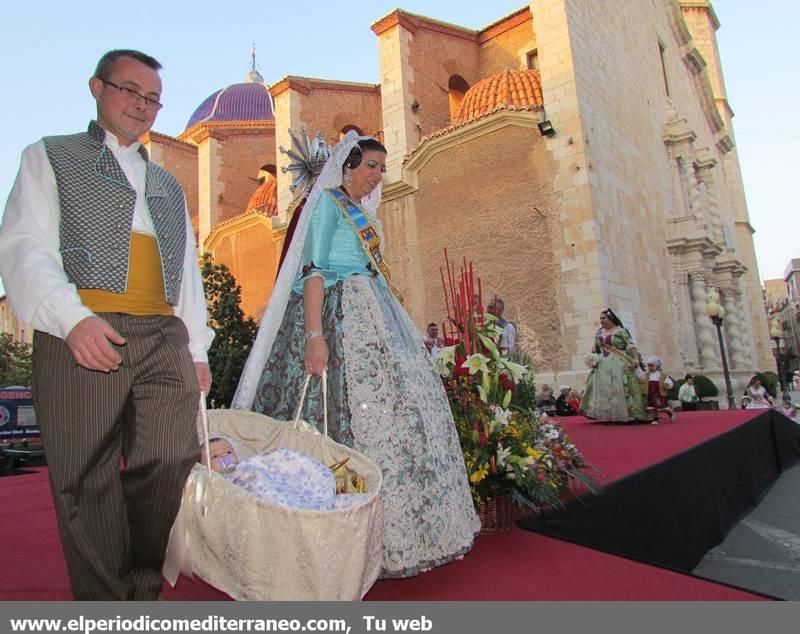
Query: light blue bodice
{"points": [[332, 246]]}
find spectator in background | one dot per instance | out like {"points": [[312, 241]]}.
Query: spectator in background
{"points": [[687, 395], [756, 395], [432, 339], [563, 407], [547, 403], [508, 340], [788, 409], [574, 400]]}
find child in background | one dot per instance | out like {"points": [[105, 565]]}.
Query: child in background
{"points": [[656, 385], [687, 395], [574, 400], [788, 409]]}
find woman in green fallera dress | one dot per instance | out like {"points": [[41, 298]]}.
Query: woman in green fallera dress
{"points": [[613, 391]]}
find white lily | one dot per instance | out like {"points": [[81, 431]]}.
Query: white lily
{"points": [[502, 415], [475, 363], [447, 355], [502, 454], [517, 370]]}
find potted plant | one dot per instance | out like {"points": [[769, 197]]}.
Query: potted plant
{"points": [[512, 454]]}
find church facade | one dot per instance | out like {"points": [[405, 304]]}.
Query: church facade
{"points": [[582, 155]]}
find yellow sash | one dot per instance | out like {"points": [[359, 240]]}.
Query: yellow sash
{"points": [[145, 293]]}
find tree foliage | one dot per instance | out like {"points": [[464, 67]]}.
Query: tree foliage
{"points": [[16, 360], [234, 333]]}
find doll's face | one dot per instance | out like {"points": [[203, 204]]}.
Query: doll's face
{"points": [[221, 455], [652, 367]]}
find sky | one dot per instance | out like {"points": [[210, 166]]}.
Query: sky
{"points": [[48, 50]]}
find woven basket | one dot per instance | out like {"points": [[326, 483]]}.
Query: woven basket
{"points": [[495, 514]]}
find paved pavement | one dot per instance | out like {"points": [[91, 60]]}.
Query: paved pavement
{"points": [[762, 552]]}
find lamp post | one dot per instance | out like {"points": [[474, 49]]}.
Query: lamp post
{"points": [[717, 314], [776, 332]]}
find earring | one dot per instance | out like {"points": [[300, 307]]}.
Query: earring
{"points": [[348, 176]]}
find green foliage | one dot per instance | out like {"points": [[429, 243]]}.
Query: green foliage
{"points": [[234, 333], [16, 361], [705, 388], [524, 396]]}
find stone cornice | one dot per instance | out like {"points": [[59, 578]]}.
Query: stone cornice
{"points": [[677, 131], [507, 23], [217, 129], [708, 102], [679, 29], [491, 113], [233, 226], [429, 147], [704, 159], [746, 224], [704, 5], [396, 190], [164, 139], [413, 23], [700, 245], [731, 267], [725, 144], [304, 85], [694, 61]]}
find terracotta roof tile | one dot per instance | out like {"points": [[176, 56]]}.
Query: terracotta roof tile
{"points": [[510, 88], [264, 200]]}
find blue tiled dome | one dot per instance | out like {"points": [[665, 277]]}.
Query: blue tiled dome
{"points": [[248, 101]]}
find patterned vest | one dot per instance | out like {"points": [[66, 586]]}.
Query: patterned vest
{"points": [[97, 204]]}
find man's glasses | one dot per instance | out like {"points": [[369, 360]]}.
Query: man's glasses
{"points": [[134, 96]]}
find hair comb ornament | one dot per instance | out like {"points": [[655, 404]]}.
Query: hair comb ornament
{"points": [[307, 158]]}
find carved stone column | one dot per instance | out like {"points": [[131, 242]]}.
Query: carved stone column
{"points": [[682, 309], [704, 165], [706, 341], [748, 352], [733, 326]]}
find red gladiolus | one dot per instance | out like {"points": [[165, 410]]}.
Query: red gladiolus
{"points": [[482, 439]]}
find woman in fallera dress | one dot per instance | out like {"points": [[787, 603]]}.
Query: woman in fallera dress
{"points": [[613, 392], [385, 399]]}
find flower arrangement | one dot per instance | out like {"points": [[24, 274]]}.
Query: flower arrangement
{"points": [[508, 448]]}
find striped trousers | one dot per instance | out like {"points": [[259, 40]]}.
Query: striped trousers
{"points": [[119, 448]]}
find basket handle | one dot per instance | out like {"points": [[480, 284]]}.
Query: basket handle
{"points": [[324, 379], [204, 423]]}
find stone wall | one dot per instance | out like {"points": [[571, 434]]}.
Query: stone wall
{"points": [[241, 153], [181, 160], [251, 250], [473, 200], [605, 93], [506, 44]]}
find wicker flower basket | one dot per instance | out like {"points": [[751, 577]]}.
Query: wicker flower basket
{"points": [[495, 514]]}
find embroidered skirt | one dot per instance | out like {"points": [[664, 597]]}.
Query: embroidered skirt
{"points": [[386, 400]]}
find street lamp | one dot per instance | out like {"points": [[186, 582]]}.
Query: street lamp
{"points": [[717, 314], [776, 332]]}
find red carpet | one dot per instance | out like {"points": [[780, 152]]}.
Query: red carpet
{"points": [[518, 565]]}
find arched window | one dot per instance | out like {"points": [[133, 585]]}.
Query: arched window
{"points": [[347, 129], [457, 88]]}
